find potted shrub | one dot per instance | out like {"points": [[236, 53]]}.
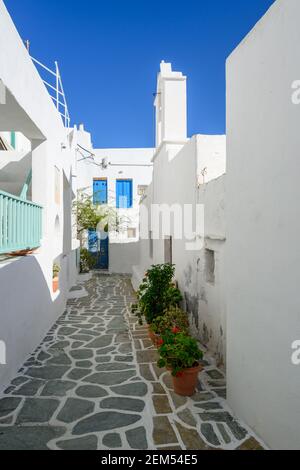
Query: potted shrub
{"points": [[174, 319], [157, 293], [157, 326], [55, 280], [180, 354], [87, 261]]}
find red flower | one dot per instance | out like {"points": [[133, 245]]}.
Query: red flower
{"points": [[160, 342], [175, 330]]}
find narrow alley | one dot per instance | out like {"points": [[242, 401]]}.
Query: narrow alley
{"points": [[93, 384]]}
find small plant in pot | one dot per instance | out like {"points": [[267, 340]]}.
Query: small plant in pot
{"points": [[174, 319], [180, 354], [157, 292], [55, 280], [87, 261]]}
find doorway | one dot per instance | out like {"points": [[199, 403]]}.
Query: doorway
{"points": [[99, 248]]}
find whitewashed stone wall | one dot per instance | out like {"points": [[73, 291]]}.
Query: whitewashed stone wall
{"points": [[263, 226], [28, 306]]}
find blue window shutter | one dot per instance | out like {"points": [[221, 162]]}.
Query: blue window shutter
{"points": [[100, 192], [124, 194], [118, 191]]}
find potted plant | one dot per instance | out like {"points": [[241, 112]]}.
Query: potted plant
{"points": [[55, 280], [174, 319], [157, 293], [154, 330], [180, 354], [87, 261], [24, 253]]}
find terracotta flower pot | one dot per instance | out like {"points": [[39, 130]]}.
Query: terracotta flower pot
{"points": [[185, 383], [55, 284], [20, 253], [153, 336]]}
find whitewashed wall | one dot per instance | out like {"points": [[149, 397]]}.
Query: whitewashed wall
{"points": [[176, 183], [263, 226], [28, 306], [211, 319]]}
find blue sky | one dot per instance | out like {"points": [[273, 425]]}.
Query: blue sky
{"points": [[109, 54]]}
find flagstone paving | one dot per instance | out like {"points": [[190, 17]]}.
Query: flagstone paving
{"points": [[93, 384]]}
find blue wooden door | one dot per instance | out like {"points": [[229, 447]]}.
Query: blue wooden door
{"points": [[94, 248], [98, 247], [103, 259], [124, 194], [100, 191]]}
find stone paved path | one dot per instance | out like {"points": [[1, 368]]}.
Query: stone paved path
{"points": [[94, 384]]}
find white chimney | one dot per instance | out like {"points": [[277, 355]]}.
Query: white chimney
{"points": [[171, 105]]}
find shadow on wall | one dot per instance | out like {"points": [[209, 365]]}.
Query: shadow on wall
{"points": [[123, 256], [67, 207], [14, 174], [27, 311]]}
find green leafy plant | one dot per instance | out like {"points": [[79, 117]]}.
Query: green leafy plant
{"points": [[87, 261], [175, 319], [56, 270], [157, 292], [87, 214], [178, 352]]}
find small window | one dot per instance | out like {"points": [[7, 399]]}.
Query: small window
{"points": [[131, 232], [142, 190], [168, 250], [151, 245], [100, 191], [124, 194], [210, 266]]}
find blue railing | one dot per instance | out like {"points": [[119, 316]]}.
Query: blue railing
{"points": [[20, 224]]}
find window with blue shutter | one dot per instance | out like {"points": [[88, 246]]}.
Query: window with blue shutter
{"points": [[100, 191], [124, 194]]}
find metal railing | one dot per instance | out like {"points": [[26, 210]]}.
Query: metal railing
{"points": [[20, 224], [56, 86]]}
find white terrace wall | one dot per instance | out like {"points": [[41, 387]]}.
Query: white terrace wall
{"points": [[263, 226], [28, 307]]}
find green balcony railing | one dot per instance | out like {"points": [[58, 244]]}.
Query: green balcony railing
{"points": [[20, 224]]}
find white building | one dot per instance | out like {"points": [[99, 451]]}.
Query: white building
{"points": [[116, 178], [184, 176], [36, 192]]}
